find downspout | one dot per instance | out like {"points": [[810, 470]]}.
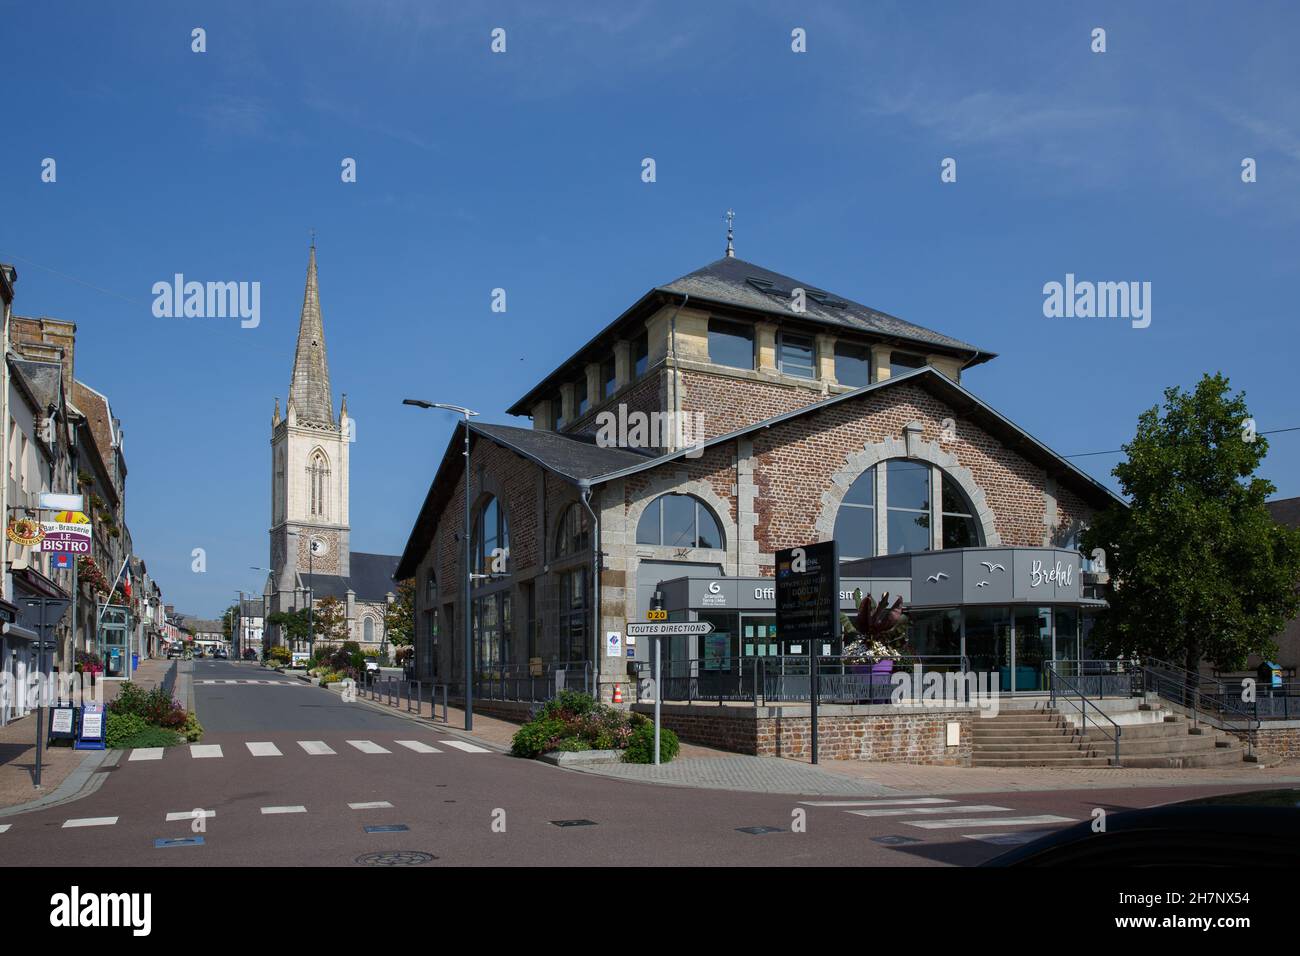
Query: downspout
{"points": [[676, 402], [585, 489]]}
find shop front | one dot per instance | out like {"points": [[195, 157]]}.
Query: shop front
{"points": [[1004, 613]]}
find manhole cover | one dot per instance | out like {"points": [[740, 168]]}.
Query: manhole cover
{"points": [[894, 840], [389, 828], [758, 831], [396, 858], [573, 823]]}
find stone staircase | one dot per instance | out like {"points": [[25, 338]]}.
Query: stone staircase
{"points": [[1149, 737]]}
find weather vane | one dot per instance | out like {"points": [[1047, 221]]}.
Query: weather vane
{"points": [[731, 218]]}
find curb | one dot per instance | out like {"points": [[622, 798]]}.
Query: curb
{"points": [[82, 782]]}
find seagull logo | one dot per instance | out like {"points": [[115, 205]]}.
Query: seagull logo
{"points": [[982, 584], [940, 576], [992, 567]]}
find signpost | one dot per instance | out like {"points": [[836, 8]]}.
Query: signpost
{"points": [[658, 629], [49, 612], [808, 606]]}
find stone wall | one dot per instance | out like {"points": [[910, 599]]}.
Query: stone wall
{"points": [[876, 734]]}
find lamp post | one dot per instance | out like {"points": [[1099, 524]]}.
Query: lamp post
{"points": [[265, 649], [469, 567]]}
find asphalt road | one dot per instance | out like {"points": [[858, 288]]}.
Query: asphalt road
{"points": [[313, 757]]}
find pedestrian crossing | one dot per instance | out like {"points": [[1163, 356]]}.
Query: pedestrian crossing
{"points": [[189, 816], [310, 748], [264, 683], [947, 813]]}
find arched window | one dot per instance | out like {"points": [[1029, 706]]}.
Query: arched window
{"points": [[904, 490], [679, 521], [491, 538], [573, 536], [318, 472], [368, 629]]}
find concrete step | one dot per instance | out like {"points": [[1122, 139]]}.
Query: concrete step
{"points": [[992, 733], [1175, 745], [1215, 758], [1079, 761], [1160, 731], [1034, 747]]}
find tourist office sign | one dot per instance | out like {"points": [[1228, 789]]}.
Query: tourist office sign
{"points": [[68, 533]]}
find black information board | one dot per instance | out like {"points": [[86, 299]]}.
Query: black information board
{"points": [[808, 593]]}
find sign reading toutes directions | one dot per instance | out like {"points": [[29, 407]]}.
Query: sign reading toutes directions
{"points": [[668, 628]]}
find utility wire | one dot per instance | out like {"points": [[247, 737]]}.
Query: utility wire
{"points": [[63, 275], [1120, 451]]}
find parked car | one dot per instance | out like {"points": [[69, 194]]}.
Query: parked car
{"points": [[1258, 828]]}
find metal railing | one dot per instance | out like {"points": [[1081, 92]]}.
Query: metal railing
{"points": [[522, 683], [786, 678], [407, 694], [1097, 678], [1060, 687], [1203, 697]]}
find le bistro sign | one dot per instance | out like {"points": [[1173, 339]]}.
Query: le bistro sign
{"points": [[68, 533]]}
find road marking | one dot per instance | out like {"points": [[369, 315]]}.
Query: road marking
{"points": [[875, 803], [199, 751], [146, 753], [190, 815], [5, 826], [284, 809], [989, 822], [90, 822], [315, 747], [1008, 839], [369, 747], [262, 748], [908, 811], [419, 746], [376, 805], [468, 748]]}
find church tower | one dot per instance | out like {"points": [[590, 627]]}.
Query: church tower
{"points": [[309, 465]]}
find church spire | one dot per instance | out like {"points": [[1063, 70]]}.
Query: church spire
{"points": [[309, 391]]}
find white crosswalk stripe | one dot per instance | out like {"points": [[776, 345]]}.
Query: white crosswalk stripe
{"points": [[297, 809], [900, 801], [205, 750], [315, 747], [146, 753], [90, 822], [419, 746], [468, 748], [195, 814], [263, 748], [369, 747], [1008, 839], [987, 822], [909, 811], [5, 826], [375, 805]]}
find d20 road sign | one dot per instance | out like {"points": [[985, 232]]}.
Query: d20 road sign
{"points": [[668, 628]]}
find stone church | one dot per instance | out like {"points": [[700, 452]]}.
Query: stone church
{"points": [[311, 553]]}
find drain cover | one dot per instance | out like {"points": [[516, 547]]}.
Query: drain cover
{"points": [[388, 828], [396, 858], [758, 831], [180, 841], [574, 823], [894, 840]]}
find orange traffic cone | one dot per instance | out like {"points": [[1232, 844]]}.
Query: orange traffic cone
{"points": [[618, 694]]}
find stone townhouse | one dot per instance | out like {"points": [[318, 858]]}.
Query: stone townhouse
{"points": [[723, 416]]}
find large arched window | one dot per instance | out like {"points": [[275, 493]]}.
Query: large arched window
{"points": [[318, 473], [903, 489], [573, 536], [491, 538], [368, 630], [679, 521]]}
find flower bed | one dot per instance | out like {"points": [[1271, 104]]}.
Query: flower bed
{"points": [[140, 718], [575, 722]]}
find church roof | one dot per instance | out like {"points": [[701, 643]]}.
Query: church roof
{"points": [[309, 391], [371, 579]]}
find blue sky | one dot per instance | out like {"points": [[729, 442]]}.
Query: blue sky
{"points": [[522, 171]]}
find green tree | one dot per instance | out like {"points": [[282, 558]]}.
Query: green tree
{"points": [[293, 624], [399, 617], [1200, 570], [331, 619], [228, 620]]}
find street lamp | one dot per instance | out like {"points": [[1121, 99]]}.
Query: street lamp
{"points": [[469, 567]]}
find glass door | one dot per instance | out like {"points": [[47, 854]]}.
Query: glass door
{"points": [[987, 642], [1031, 649]]}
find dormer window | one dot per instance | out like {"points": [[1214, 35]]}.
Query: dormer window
{"points": [[797, 356]]}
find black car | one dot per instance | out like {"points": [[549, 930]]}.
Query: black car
{"points": [[1258, 828]]}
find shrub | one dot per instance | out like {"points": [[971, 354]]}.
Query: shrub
{"points": [[130, 699], [152, 737], [641, 748], [536, 736], [568, 704], [122, 728], [192, 730], [572, 745]]}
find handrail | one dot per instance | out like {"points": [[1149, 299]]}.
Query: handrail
{"points": [[1191, 697], [1083, 709]]}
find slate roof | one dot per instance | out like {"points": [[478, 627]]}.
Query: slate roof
{"points": [[736, 284], [43, 380], [1285, 511], [573, 456], [732, 281], [371, 579], [309, 390]]}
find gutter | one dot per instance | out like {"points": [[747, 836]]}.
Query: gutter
{"points": [[585, 489]]}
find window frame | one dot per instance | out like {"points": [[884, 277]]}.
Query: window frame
{"points": [[738, 330], [785, 338], [699, 504]]}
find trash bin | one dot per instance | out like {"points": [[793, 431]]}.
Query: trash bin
{"points": [[135, 662]]}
